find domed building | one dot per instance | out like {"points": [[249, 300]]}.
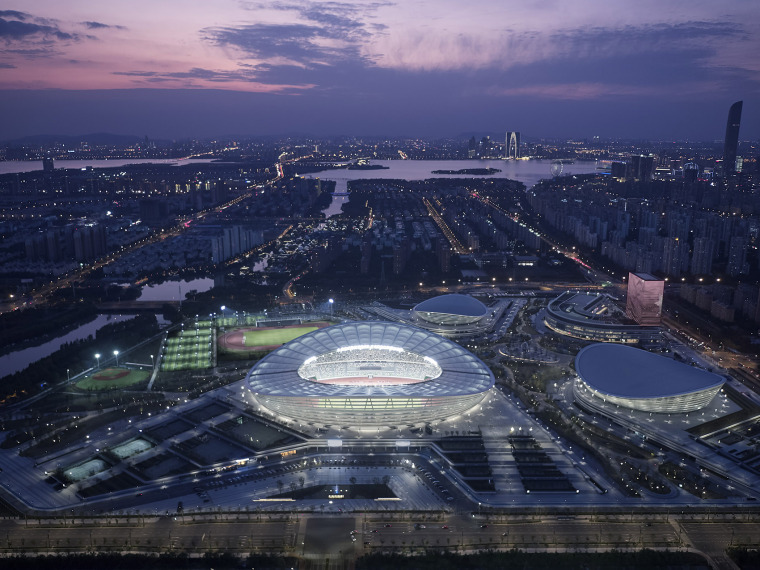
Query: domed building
{"points": [[451, 310], [369, 373], [639, 380]]}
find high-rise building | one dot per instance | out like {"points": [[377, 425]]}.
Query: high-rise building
{"points": [[737, 257], [702, 256], [644, 303], [512, 146], [731, 142], [641, 167]]}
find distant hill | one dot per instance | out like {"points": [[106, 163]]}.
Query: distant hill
{"points": [[95, 139]]}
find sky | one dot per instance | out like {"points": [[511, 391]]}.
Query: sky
{"points": [[646, 69]]}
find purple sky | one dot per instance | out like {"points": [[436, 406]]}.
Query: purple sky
{"points": [[665, 69]]}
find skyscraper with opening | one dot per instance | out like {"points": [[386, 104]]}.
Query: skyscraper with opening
{"points": [[512, 145]]}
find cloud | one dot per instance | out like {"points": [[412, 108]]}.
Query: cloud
{"points": [[13, 30], [435, 49], [14, 15], [102, 26], [7, 66], [200, 77], [583, 91], [320, 33]]}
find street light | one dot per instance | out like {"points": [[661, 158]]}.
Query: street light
{"points": [[68, 376], [152, 364], [332, 302], [97, 358], [116, 356]]}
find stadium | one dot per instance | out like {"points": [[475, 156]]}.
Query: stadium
{"points": [[369, 374], [639, 380], [451, 309]]}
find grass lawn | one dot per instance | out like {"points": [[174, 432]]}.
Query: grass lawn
{"points": [[269, 337], [112, 378]]}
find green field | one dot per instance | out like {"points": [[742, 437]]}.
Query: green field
{"points": [[112, 378], [269, 337], [188, 351]]}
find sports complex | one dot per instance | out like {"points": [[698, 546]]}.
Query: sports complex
{"points": [[371, 373]]}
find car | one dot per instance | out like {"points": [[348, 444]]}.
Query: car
{"points": [[484, 526], [445, 526], [388, 525], [375, 530], [449, 498]]}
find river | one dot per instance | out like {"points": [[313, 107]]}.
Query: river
{"points": [[20, 359], [174, 290]]}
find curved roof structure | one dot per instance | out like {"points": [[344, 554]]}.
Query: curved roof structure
{"points": [[368, 395], [638, 379], [588, 316], [451, 308]]}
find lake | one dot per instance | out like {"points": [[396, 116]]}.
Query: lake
{"points": [[529, 172]]}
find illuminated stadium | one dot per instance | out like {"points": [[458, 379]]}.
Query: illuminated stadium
{"points": [[369, 373], [454, 309], [639, 380]]}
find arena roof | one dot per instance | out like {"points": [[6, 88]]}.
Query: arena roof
{"points": [[461, 372], [628, 372], [454, 304]]}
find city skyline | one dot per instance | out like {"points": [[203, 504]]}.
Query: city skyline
{"points": [[245, 68]]}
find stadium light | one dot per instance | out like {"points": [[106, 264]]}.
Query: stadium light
{"points": [[331, 301], [116, 356], [97, 358]]}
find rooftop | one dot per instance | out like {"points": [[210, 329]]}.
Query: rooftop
{"points": [[628, 372]]}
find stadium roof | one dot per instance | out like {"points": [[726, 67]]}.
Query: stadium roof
{"points": [[462, 373], [628, 372], [454, 304]]}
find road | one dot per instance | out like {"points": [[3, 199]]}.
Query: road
{"points": [[326, 541]]}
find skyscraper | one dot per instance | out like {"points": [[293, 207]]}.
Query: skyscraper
{"points": [[732, 138], [512, 146], [644, 303]]}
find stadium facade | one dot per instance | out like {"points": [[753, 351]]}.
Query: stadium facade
{"points": [[639, 380], [588, 317], [367, 374]]}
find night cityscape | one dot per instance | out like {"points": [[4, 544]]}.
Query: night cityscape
{"points": [[333, 285]]}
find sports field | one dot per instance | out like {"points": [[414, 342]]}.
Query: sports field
{"points": [[112, 378], [190, 349], [267, 337], [247, 340]]}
